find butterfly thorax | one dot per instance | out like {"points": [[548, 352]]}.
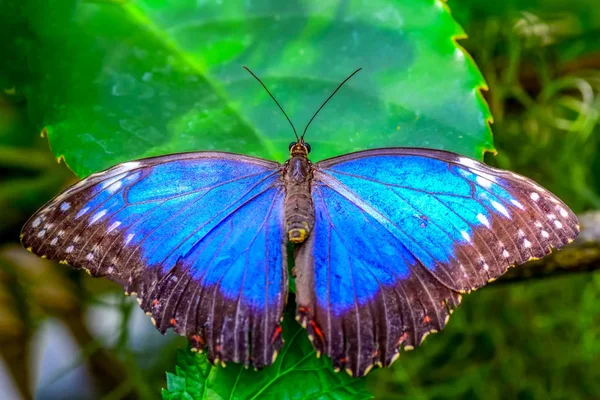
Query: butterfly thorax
{"points": [[299, 207]]}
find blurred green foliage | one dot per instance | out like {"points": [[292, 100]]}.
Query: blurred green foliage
{"points": [[541, 60], [542, 66]]}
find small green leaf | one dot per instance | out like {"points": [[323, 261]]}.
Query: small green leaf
{"points": [[115, 80], [296, 374], [175, 383]]}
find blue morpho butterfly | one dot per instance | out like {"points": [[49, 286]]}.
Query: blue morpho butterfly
{"points": [[386, 240]]}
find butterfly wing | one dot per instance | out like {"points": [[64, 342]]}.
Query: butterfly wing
{"points": [[198, 237], [399, 234]]}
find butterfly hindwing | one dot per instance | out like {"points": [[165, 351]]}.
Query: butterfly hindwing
{"points": [[400, 234], [361, 294], [198, 237]]}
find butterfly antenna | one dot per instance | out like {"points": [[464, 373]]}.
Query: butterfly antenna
{"points": [[274, 99], [325, 102]]}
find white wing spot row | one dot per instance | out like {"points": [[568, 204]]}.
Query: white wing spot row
{"points": [[500, 208], [516, 203], [483, 219], [466, 236], [468, 162], [113, 226], [558, 224], [534, 196], [483, 182], [97, 216]]}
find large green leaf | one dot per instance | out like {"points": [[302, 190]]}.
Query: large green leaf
{"points": [[297, 374], [119, 80]]}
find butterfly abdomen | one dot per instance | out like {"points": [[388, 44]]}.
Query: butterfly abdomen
{"points": [[299, 207]]}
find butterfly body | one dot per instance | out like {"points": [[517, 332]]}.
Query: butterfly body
{"points": [[299, 207], [387, 241]]}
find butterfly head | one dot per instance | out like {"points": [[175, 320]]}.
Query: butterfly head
{"points": [[299, 148]]}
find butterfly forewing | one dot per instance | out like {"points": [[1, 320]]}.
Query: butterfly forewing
{"points": [[198, 238], [399, 234]]}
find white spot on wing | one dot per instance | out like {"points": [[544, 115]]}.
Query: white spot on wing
{"points": [[113, 226], [466, 236], [118, 171], [114, 187], [69, 249], [516, 203], [483, 182], [54, 241], [468, 162], [487, 176], [464, 172], [128, 166], [545, 234], [483, 219], [129, 237], [500, 208], [112, 180], [65, 206], [89, 257], [110, 270], [36, 222], [81, 212], [563, 212], [557, 223], [97, 216], [505, 254], [41, 233], [534, 196], [526, 243]]}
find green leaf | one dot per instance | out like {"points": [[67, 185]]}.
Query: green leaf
{"points": [[119, 80], [296, 374], [176, 383]]}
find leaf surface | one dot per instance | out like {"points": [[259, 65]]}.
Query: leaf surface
{"points": [[114, 81]]}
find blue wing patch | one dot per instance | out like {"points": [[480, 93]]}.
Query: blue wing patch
{"points": [[400, 234], [198, 238]]}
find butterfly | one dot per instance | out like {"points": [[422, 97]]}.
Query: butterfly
{"points": [[387, 241]]}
